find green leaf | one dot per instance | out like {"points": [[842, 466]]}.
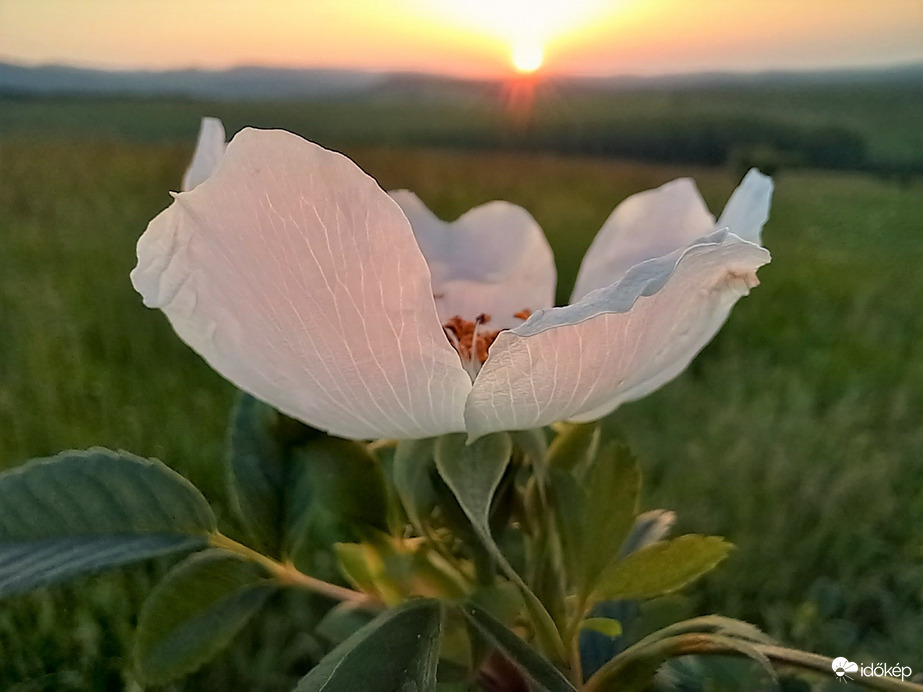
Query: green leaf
{"points": [[383, 454], [341, 622], [594, 510], [259, 443], [195, 612], [575, 445], [613, 485], [82, 512], [473, 473], [533, 444], [338, 495], [661, 567], [397, 651], [607, 626], [300, 490], [501, 599], [538, 669], [413, 460], [570, 514]]}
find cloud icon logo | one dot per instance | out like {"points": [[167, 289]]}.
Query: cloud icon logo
{"points": [[841, 666]]}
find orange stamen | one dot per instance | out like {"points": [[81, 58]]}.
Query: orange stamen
{"points": [[468, 340], [472, 342]]}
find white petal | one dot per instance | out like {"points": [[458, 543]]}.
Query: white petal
{"points": [[748, 209], [208, 152], [582, 361], [298, 279], [494, 259], [644, 226]]}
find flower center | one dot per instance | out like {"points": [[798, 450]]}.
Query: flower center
{"points": [[472, 340]]}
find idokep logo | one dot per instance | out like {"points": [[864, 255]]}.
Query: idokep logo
{"points": [[843, 666]]}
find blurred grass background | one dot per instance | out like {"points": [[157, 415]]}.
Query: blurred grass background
{"points": [[798, 433]]}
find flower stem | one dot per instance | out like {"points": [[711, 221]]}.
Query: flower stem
{"points": [[572, 626], [288, 574], [707, 645], [576, 665]]}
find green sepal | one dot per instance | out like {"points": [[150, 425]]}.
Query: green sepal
{"points": [[473, 472], [394, 569], [356, 565]]}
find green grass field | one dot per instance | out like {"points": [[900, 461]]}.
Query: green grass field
{"points": [[798, 433], [858, 125]]}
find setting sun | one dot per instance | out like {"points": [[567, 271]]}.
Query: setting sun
{"points": [[530, 30], [527, 57]]}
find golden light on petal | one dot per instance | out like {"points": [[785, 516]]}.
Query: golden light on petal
{"points": [[527, 56]]}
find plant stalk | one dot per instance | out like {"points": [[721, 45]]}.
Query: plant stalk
{"points": [[705, 645], [288, 574]]}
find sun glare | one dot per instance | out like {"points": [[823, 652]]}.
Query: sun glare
{"points": [[528, 27], [527, 57]]}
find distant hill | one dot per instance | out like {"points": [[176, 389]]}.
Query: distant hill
{"points": [[259, 83], [903, 74], [236, 83], [849, 120]]}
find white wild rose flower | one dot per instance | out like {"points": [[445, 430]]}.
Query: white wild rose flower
{"points": [[361, 313]]}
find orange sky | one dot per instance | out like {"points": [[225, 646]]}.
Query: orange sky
{"points": [[466, 37]]}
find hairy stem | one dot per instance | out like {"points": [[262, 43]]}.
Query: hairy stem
{"points": [[706, 645], [572, 627], [576, 665], [288, 574]]}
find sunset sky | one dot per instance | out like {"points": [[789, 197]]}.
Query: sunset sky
{"points": [[465, 37]]}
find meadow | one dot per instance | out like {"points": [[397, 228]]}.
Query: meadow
{"points": [[798, 433], [860, 123]]}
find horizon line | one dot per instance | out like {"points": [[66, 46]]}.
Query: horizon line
{"points": [[539, 76]]}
